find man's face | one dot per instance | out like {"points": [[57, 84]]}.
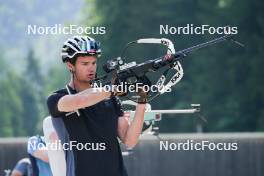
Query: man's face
{"points": [[85, 68]]}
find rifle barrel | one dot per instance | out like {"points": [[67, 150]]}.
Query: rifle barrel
{"points": [[186, 51]]}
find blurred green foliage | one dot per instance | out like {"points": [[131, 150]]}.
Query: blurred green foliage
{"points": [[225, 79]]}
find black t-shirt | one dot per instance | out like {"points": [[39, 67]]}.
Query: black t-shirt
{"points": [[96, 131]]}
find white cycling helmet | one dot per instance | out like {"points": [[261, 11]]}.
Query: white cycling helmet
{"points": [[79, 45]]}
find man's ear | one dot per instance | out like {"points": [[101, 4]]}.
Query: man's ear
{"points": [[70, 66]]}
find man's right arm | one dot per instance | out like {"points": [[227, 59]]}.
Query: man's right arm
{"points": [[82, 99]]}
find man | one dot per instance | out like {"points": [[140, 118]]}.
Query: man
{"points": [[38, 156], [93, 116]]}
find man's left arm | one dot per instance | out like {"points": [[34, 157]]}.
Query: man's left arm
{"points": [[129, 133]]}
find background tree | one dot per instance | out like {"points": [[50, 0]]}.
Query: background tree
{"points": [[224, 79]]}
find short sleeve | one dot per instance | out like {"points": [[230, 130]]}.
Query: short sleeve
{"points": [[33, 144], [52, 103], [118, 106]]}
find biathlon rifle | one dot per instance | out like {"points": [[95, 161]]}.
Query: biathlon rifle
{"points": [[132, 73]]}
